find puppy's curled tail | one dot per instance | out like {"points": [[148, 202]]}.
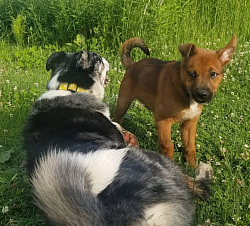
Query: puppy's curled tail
{"points": [[62, 191], [128, 46], [200, 185]]}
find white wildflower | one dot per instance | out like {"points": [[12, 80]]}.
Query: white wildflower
{"points": [[148, 134], [5, 209]]}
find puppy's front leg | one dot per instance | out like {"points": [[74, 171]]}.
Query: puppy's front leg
{"points": [[188, 134], [164, 136]]}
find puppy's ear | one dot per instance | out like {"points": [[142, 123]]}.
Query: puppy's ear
{"points": [[55, 59], [225, 53], [187, 50]]}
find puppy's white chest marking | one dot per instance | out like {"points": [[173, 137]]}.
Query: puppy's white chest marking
{"points": [[192, 112]]}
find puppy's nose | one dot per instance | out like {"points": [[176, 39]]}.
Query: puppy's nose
{"points": [[202, 94]]}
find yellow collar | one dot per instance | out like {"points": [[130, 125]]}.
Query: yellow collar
{"points": [[73, 88]]}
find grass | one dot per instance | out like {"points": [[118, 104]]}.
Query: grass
{"points": [[223, 135]]}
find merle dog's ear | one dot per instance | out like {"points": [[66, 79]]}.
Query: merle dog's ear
{"points": [[76, 60], [55, 59], [83, 59]]}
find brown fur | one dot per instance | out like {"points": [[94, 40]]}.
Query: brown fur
{"points": [[168, 89]]}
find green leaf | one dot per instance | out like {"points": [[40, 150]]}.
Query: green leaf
{"points": [[5, 156]]}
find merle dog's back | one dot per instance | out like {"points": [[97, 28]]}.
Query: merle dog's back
{"points": [[73, 122], [60, 129]]}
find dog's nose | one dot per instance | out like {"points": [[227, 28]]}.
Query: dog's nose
{"points": [[202, 94]]}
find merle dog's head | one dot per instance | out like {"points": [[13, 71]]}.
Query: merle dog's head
{"points": [[85, 69]]}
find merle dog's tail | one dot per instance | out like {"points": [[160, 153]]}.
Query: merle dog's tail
{"points": [[66, 186], [128, 46]]}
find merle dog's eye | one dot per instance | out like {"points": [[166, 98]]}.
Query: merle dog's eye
{"points": [[193, 74], [213, 74]]}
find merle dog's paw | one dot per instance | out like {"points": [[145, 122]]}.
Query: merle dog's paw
{"points": [[204, 171], [203, 176]]}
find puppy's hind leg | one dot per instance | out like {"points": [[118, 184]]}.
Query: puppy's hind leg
{"points": [[125, 98]]}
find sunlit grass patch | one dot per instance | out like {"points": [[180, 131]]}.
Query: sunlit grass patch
{"points": [[223, 135]]}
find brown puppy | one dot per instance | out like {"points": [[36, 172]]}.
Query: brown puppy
{"points": [[175, 91]]}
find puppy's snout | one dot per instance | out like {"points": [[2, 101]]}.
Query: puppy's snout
{"points": [[202, 95]]}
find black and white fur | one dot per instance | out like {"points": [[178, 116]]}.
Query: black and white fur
{"points": [[81, 170]]}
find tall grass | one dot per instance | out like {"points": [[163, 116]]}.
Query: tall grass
{"points": [[112, 21]]}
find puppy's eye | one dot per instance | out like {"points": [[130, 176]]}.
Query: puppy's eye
{"points": [[213, 74], [193, 74]]}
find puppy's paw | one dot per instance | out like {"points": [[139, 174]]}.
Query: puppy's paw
{"points": [[130, 138], [203, 171]]}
